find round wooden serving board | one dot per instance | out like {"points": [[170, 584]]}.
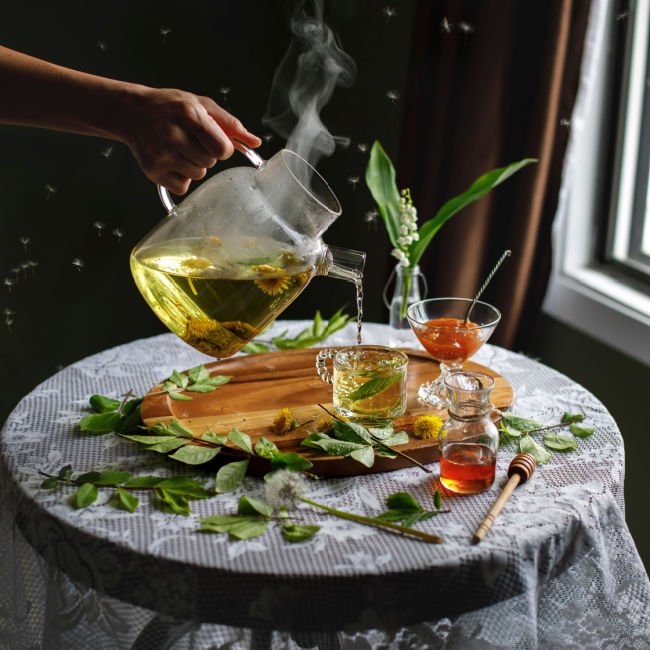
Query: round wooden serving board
{"points": [[262, 384]]}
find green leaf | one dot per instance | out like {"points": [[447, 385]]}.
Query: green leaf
{"points": [[253, 347], [214, 438], [178, 396], [131, 421], [265, 448], [194, 454], [128, 500], [381, 181], [529, 446], [572, 417], [290, 460], [298, 532], [85, 495], [249, 529], [198, 373], [65, 473], [241, 439], [103, 404], [513, 433], [143, 482], [50, 483], [100, 422], [165, 446], [217, 380], [399, 438], [177, 429], [250, 506], [182, 483], [558, 442], [175, 501], [373, 387], [222, 523], [200, 388], [519, 424], [149, 439], [479, 188], [131, 405], [581, 432], [179, 379], [230, 476], [394, 515], [436, 499], [351, 432], [402, 501], [365, 455], [332, 446], [383, 433], [104, 478]]}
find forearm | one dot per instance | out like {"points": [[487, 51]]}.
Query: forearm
{"points": [[38, 93]]}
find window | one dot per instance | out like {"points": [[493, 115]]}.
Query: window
{"points": [[600, 283]]}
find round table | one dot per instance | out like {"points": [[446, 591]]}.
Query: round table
{"points": [[557, 568]]}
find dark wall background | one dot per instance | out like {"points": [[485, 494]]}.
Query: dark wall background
{"points": [[65, 286]]}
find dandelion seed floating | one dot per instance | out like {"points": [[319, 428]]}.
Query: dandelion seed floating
{"points": [[389, 12], [102, 45], [623, 15], [353, 180], [51, 190], [164, 32], [9, 322], [118, 234], [225, 91], [24, 240], [107, 152], [32, 265], [466, 29], [371, 217], [99, 226], [565, 122], [7, 311], [445, 26], [15, 270], [393, 95], [362, 147], [8, 282], [78, 263]]}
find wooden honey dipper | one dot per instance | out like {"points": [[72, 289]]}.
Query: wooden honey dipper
{"points": [[520, 470]]}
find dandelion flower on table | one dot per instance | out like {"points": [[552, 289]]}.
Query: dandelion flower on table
{"points": [[427, 426], [324, 424], [284, 489], [283, 422]]}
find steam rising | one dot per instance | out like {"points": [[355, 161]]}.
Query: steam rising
{"points": [[313, 66]]}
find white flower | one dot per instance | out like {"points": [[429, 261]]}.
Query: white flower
{"points": [[404, 230], [285, 488], [401, 256]]}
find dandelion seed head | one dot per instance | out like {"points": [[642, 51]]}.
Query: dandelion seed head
{"points": [[353, 180], [164, 32], [285, 488], [393, 95], [445, 26]]}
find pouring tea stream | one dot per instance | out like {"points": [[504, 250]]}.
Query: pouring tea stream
{"points": [[236, 252]]}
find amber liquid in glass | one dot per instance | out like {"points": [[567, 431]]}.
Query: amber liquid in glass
{"points": [[467, 468]]}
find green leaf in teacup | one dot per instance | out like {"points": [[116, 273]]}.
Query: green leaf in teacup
{"points": [[372, 387]]}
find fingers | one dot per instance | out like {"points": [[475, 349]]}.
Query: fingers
{"points": [[173, 182], [229, 124]]}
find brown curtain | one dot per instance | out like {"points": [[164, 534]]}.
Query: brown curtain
{"points": [[492, 82]]}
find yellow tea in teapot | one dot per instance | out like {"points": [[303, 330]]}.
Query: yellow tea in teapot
{"points": [[214, 304]]}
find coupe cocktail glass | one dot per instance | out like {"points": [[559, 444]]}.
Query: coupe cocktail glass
{"points": [[441, 327]]}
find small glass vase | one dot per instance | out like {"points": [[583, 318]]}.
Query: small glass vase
{"points": [[405, 293]]}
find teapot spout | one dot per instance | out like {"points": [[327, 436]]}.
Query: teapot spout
{"points": [[342, 263]]}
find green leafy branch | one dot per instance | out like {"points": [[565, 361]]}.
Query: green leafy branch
{"points": [[195, 380], [317, 332], [254, 516], [174, 492], [515, 427], [360, 442]]}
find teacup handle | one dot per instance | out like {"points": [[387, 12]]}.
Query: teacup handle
{"points": [[321, 368]]}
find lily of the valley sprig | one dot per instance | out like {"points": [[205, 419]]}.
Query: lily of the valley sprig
{"points": [[400, 215]]}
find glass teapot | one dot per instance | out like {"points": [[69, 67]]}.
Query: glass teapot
{"points": [[228, 259]]}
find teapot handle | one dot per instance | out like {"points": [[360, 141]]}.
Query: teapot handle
{"points": [[252, 155]]}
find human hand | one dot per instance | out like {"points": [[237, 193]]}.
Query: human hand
{"points": [[177, 136]]}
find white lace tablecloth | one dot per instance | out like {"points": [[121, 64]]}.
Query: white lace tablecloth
{"points": [[558, 568]]}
